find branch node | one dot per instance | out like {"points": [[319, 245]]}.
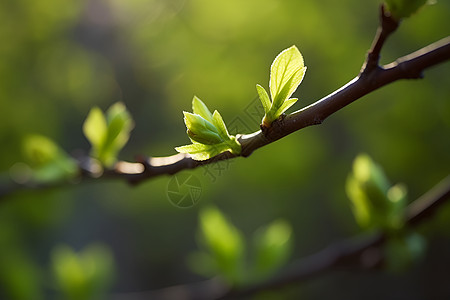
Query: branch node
{"points": [[386, 27]]}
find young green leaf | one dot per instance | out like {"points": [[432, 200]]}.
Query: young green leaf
{"points": [[286, 74], [95, 128], [108, 135], [224, 243], [200, 108], [264, 97], [375, 203], [200, 151], [208, 133], [47, 160], [201, 130], [220, 125]]}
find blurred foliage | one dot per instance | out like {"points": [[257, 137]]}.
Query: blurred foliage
{"points": [[376, 204], [379, 206], [84, 275], [286, 74], [108, 134], [47, 162], [225, 249], [61, 58]]}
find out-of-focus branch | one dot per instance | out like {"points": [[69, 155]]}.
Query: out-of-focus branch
{"points": [[353, 252], [358, 252]]}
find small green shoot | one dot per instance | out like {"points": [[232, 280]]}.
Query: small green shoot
{"points": [[47, 161], [208, 133], [224, 249], [376, 204], [108, 134], [286, 74]]}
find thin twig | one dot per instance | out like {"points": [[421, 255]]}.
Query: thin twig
{"points": [[387, 26]]}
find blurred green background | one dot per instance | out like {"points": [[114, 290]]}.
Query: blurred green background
{"points": [[60, 58]]}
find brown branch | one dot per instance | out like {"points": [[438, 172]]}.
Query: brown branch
{"points": [[407, 67], [387, 26], [370, 78]]}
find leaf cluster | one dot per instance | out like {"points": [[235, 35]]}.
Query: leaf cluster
{"points": [[207, 132], [225, 249]]}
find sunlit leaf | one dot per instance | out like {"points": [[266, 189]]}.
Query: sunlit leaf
{"points": [[264, 97], [48, 162], [286, 105], [286, 74], [108, 135], [201, 130], [200, 108], [208, 133], [220, 125], [95, 129], [202, 151]]}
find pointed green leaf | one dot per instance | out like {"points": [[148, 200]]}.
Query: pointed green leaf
{"points": [[284, 93], [286, 73], [200, 108], [220, 125], [225, 243], [120, 124], [203, 152], [95, 128], [264, 97], [201, 130], [286, 105], [361, 208]]}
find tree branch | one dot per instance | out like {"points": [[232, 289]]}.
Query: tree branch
{"points": [[407, 67], [369, 79]]}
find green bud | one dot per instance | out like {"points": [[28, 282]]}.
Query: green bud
{"points": [[372, 180], [201, 130], [375, 203]]}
